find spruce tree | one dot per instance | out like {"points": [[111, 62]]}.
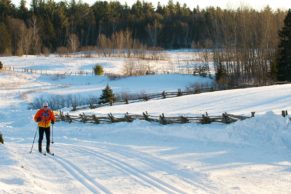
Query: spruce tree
{"points": [[107, 96], [284, 51]]}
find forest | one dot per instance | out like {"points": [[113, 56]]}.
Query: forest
{"points": [[245, 43]]}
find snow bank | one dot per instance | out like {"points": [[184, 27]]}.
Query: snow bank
{"points": [[5, 158], [264, 130]]}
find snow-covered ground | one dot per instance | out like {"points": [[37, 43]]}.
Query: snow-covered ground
{"points": [[172, 61], [250, 156]]}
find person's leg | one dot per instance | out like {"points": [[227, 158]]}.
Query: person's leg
{"points": [[48, 138], [41, 131]]}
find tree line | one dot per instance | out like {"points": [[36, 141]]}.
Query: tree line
{"points": [[48, 25], [244, 41]]}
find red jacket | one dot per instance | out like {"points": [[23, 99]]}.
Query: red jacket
{"points": [[45, 116]]}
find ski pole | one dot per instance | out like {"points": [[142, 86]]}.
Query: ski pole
{"points": [[33, 140], [53, 134]]}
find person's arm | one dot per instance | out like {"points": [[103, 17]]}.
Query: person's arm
{"points": [[37, 117], [53, 118]]}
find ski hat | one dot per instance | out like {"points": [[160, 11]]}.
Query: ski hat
{"points": [[45, 104]]}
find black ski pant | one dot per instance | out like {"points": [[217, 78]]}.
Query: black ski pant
{"points": [[47, 132]]}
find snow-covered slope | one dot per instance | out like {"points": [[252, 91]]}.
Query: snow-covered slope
{"points": [[240, 101], [250, 156]]}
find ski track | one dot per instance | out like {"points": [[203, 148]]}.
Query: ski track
{"points": [[119, 167], [81, 176], [35, 161], [153, 161], [134, 172], [70, 168]]}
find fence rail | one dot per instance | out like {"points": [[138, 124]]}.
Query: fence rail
{"points": [[82, 72], [133, 98], [162, 119], [48, 72]]}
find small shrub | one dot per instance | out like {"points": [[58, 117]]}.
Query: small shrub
{"points": [[45, 51], [124, 96], [142, 96], [112, 76], [62, 51], [98, 70], [92, 102]]}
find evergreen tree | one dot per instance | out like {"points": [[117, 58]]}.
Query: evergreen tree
{"points": [[107, 96], [284, 56], [23, 11]]}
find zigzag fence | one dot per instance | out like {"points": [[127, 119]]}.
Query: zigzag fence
{"points": [[162, 119], [132, 98], [146, 97], [47, 72]]}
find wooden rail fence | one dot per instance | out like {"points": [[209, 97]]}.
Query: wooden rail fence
{"points": [[162, 119], [133, 98], [47, 72]]}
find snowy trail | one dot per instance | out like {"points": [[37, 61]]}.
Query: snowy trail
{"points": [[153, 164], [64, 166], [40, 174], [81, 176], [95, 167], [61, 172], [140, 175], [136, 173], [251, 156], [157, 164]]}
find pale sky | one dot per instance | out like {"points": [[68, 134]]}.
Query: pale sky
{"points": [[231, 4]]}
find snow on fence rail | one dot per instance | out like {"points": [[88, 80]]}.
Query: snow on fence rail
{"points": [[162, 119]]}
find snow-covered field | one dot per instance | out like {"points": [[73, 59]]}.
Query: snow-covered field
{"points": [[172, 61], [250, 156]]}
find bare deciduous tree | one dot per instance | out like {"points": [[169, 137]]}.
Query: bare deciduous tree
{"points": [[36, 41], [73, 43], [153, 31]]}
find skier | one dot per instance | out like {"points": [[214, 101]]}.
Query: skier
{"points": [[45, 117]]}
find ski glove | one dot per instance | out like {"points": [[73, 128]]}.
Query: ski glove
{"points": [[53, 122], [38, 119]]}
